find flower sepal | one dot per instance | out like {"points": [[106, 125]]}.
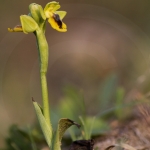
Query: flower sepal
{"points": [[37, 13], [28, 24]]}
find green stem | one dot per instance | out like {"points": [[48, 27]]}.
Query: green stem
{"points": [[43, 55]]}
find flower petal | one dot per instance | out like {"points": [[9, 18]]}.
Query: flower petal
{"points": [[17, 28], [61, 14], [50, 8], [57, 25]]}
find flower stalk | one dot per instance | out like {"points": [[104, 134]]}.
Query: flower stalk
{"points": [[43, 55], [35, 22]]}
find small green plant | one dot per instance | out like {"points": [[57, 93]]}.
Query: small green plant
{"points": [[72, 105], [23, 138], [35, 22], [110, 103]]}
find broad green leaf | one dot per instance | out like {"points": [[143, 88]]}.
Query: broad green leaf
{"points": [[61, 14], [28, 24], [47, 130], [63, 125]]}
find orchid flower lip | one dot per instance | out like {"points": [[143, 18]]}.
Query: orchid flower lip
{"points": [[57, 19]]}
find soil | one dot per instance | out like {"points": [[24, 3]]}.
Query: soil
{"points": [[131, 135]]}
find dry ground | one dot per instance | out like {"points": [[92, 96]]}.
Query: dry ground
{"points": [[131, 135]]}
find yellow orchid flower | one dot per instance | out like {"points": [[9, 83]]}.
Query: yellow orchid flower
{"points": [[38, 17], [55, 17]]}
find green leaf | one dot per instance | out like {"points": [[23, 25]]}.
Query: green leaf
{"points": [[63, 125], [17, 140], [47, 130], [120, 93], [72, 104], [28, 24], [87, 124], [107, 91], [92, 126]]}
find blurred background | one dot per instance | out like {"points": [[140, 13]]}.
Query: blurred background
{"points": [[106, 40]]}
